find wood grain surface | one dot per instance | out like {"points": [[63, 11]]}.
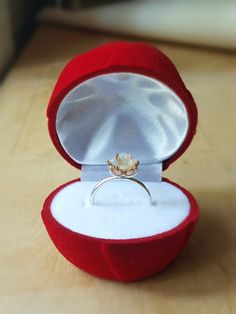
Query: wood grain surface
{"points": [[34, 277]]}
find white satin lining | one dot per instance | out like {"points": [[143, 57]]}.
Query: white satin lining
{"points": [[121, 112]]}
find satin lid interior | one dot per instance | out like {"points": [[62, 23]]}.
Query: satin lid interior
{"points": [[121, 112]]}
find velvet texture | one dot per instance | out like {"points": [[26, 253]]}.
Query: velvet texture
{"points": [[132, 259], [122, 260], [117, 57]]}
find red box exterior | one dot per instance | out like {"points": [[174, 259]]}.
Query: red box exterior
{"points": [[132, 259], [132, 57], [122, 260]]}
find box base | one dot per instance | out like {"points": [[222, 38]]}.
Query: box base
{"points": [[124, 260]]}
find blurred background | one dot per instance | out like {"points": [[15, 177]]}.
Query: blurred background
{"points": [[205, 23], [37, 39]]}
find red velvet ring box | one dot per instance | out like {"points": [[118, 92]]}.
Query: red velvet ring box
{"points": [[121, 97]]}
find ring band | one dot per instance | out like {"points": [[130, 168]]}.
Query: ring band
{"points": [[122, 167], [110, 179]]}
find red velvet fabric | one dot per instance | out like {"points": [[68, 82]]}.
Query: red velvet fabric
{"points": [[122, 260], [134, 57], [133, 259]]}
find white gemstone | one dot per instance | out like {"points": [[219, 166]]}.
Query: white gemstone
{"points": [[123, 161]]}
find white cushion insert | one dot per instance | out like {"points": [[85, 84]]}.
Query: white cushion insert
{"points": [[121, 210]]}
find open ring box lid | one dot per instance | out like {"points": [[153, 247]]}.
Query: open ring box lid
{"points": [[121, 97]]}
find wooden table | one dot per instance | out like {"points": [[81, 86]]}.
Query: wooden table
{"points": [[34, 277]]}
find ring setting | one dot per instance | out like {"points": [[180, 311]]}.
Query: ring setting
{"points": [[122, 167]]}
